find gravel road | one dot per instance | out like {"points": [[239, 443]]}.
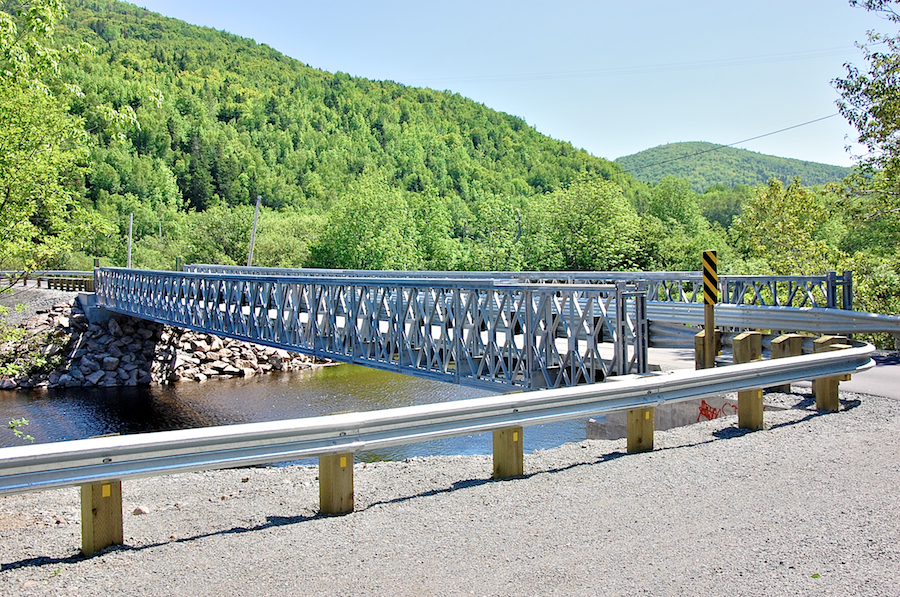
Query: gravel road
{"points": [[806, 507], [31, 299]]}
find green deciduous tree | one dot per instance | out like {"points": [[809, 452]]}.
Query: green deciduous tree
{"points": [[596, 227], [870, 101], [673, 200], [42, 148], [788, 229], [26, 58], [370, 228]]}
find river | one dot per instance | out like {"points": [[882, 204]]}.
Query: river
{"points": [[65, 414]]}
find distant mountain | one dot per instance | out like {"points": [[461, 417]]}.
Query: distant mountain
{"points": [[707, 164], [229, 119]]}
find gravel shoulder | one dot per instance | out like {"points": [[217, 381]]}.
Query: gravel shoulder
{"points": [[33, 300], [806, 507]]}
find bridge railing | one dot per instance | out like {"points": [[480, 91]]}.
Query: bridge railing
{"points": [[829, 290], [477, 332]]}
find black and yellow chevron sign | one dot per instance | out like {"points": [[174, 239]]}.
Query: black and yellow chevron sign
{"points": [[710, 278]]}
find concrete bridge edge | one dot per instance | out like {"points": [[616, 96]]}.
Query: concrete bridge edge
{"points": [[94, 312]]}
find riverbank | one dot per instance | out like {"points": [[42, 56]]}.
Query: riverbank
{"points": [[806, 507], [61, 348]]}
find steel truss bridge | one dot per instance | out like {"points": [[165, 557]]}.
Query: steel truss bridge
{"points": [[481, 330]]}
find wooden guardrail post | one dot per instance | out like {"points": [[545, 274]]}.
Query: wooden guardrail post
{"points": [[748, 348], [826, 389], [820, 344], [700, 348], [786, 345], [641, 424], [336, 483], [101, 516], [508, 453]]}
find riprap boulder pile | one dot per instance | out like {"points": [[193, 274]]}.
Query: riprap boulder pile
{"points": [[126, 351]]}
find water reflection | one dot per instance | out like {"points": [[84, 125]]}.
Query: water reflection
{"points": [[64, 414]]}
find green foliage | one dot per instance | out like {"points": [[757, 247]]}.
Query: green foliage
{"points": [[494, 235], [706, 164], [285, 238], [596, 228], [15, 426], [371, 228], [876, 286], [720, 204], [438, 251], [788, 228], [26, 57], [871, 102], [42, 147], [673, 200], [868, 202]]}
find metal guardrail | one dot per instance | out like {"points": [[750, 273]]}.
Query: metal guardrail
{"points": [[69, 280], [80, 462], [44, 273], [808, 319], [478, 332], [830, 290]]}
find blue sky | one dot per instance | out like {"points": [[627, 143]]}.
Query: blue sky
{"points": [[611, 77]]}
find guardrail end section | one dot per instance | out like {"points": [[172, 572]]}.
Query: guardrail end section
{"points": [[508, 453], [336, 484], [101, 516], [641, 424]]}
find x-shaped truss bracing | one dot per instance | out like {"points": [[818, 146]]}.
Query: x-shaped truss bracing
{"points": [[479, 332]]}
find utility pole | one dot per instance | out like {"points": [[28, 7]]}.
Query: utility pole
{"points": [[130, 223], [253, 233]]}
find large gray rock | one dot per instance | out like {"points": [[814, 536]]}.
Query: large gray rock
{"points": [[89, 364], [95, 377], [110, 363], [114, 328]]}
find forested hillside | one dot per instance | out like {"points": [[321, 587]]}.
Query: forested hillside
{"points": [[207, 119], [707, 164]]}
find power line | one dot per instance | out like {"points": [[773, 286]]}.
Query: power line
{"points": [[718, 147], [648, 68]]}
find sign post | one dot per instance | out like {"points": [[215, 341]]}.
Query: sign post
{"points": [[710, 298]]}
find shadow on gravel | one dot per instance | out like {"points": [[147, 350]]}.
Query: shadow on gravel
{"points": [[271, 521], [891, 358], [43, 561], [478, 482]]}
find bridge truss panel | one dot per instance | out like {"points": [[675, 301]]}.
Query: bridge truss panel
{"points": [[487, 333]]}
